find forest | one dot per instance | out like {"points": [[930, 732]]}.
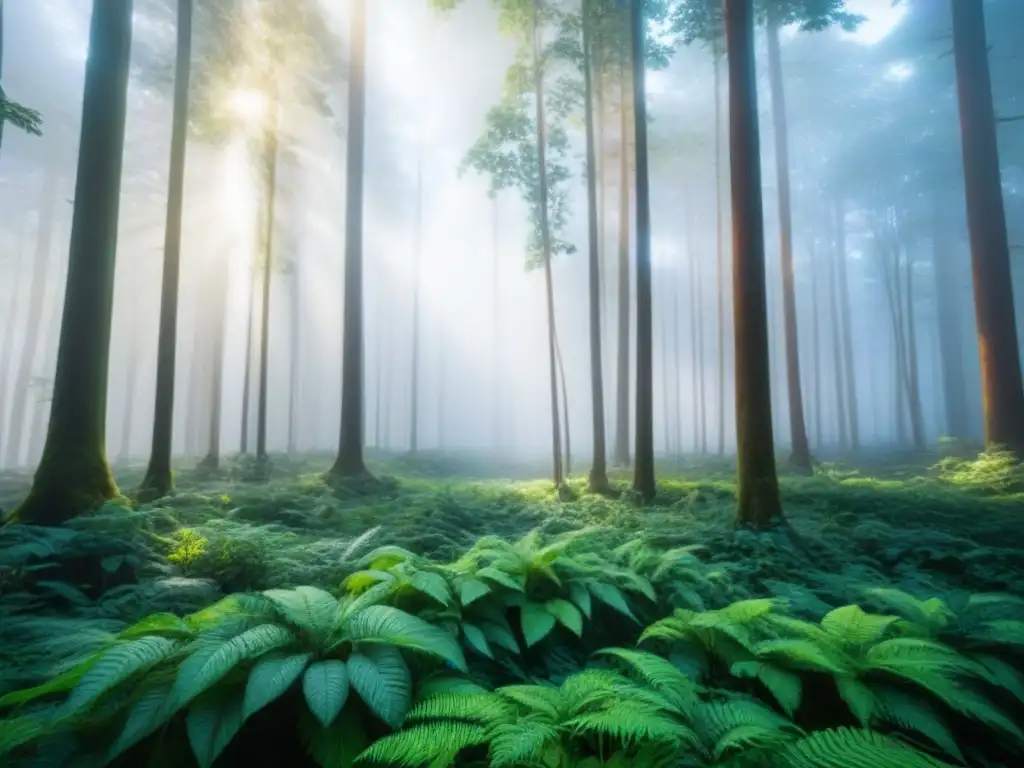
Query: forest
{"points": [[511, 383]]}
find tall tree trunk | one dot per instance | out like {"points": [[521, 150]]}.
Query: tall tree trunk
{"points": [[852, 410], [545, 231], [43, 394], [837, 348], [664, 357], [1001, 383], [621, 453], [691, 256], [417, 254], [294, 349], [247, 370], [719, 246], [349, 462], [565, 408], [912, 379], [496, 349], [801, 456], [758, 503], [269, 216], [954, 387], [7, 350], [815, 345], [211, 462], [158, 480], [598, 470], [677, 355], [36, 298], [131, 384], [702, 399], [73, 474], [643, 479]]}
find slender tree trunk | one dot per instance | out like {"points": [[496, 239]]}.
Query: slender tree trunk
{"points": [[912, 379], [294, 349], [691, 256], [7, 351], [801, 456], [34, 319], [158, 480], [349, 462], [852, 410], [621, 454], [719, 246], [702, 398], [815, 345], [758, 503], [954, 387], [565, 408], [643, 479], [131, 384], [417, 253], [496, 349], [270, 164], [598, 469], [73, 475], [247, 374], [1, 82], [1001, 384], [663, 362], [677, 355], [545, 230], [837, 348], [220, 283]]}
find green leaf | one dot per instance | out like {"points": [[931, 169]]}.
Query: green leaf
{"points": [[537, 623], [471, 590], [432, 584], [850, 624], [477, 639], [270, 677], [496, 575], [611, 596], [390, 626], [165, 624], [568, 615], [112, 563], [149, 712], [117, 665], [308, 608], [581, 596], [501, 636], [337, 746], [208, 665], [211, 723], [785, 686], [381, 678], [858, 698], [325, 686]]}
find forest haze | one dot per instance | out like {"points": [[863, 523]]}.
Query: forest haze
{"points": [[578, 311]]}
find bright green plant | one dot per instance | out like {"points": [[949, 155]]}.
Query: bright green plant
{"points": [[225, 663], [189, 547]]}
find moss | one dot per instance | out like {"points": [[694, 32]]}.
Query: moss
{"points": [[66, 485]]}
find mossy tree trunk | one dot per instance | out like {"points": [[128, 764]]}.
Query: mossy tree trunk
{"points": [[643, 477], [73, 475], [158, 480], [801, 451], [349, 462], [598, 469], [758, 503], [1001, 383]]}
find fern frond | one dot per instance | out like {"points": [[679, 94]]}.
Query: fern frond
{"points": [[434, 743], [307, 608], [380, 624], [916, 715], [524, 742], [629, 722], [852, 748], [717, 718], [662, 675], [542, 699], [785, 686], [852, 626], [483, 708], [117, 665]]}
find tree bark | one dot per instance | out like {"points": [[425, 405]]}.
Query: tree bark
{"points": [[912, 379], [621, 453], [598, 477], [815, 346], [837, 349], [269, 223], [538, 79], [1001, 383], [758, 503], [954, 387], [852, 410], [73, 475], [801, 455], [414, 393], [158, 480], [349, 462], [719, 246]]}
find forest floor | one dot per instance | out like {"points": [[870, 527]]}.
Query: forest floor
{"points": [[922, 529]]}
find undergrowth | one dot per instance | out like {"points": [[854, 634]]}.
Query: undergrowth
{"points": [[481, 623]]}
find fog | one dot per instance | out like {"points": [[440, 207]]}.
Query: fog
{"points": [[873, 124]]}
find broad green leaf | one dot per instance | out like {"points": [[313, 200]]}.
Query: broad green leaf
{"points": [[325, 686], [477, 639], [858, 698], [211, 723], [471, 590], [581, 596], [432, 584], [499, 576], [501, 636], [381, 624], [381, 678], [309, 608], [611, 596], [159, 624], [117, 665], [149, 712], [208, 665], [270, 677], [537, 623], [568, 615]]}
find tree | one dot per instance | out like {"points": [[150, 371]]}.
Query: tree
{"points": [[643, 478], [1001, 383], [598, 477], [349, 462], [158, 481], [11, 112], [73, 474], [758, 503]]}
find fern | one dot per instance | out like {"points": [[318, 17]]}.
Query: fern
{"points": [[850, 748]]}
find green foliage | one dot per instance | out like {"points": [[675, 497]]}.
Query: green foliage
{"points": [[189, 547], [993, 471], [28, 120]]}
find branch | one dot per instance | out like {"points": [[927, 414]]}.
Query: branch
{"points": [[1010, 119]]}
